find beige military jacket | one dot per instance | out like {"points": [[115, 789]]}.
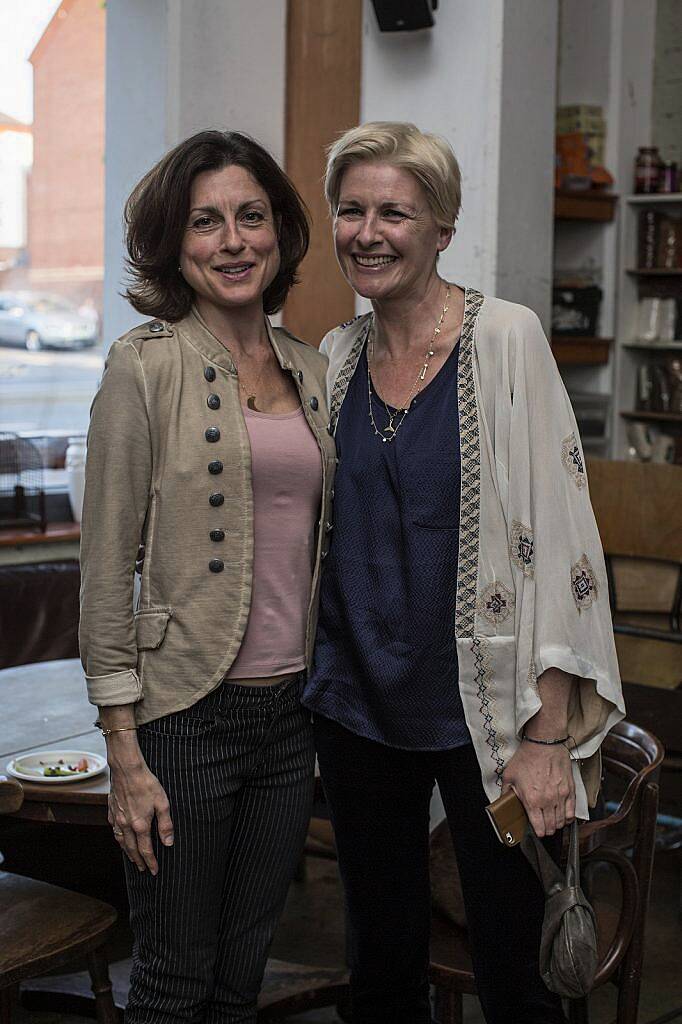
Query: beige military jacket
{"points": [[169, 462], [531, 585]]}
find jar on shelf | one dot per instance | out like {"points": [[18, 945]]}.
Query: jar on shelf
{"points": [[74, 463], [648, 168], [669, 178]]}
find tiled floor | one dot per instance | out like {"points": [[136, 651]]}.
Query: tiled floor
{"points": [[311, 931]]}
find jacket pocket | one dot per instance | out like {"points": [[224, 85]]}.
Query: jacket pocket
{"points": [[150, 627]]}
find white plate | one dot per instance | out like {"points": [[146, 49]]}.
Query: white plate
{"points": [[29, 769]]}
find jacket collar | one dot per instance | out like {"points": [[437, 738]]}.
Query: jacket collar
{"points": [[193, 327]]}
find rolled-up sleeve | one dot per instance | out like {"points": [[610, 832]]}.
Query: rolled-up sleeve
{"points": [[117, 488]]}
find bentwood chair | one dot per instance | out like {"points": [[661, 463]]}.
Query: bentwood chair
{"points": [[624, 841], [43, 927]]}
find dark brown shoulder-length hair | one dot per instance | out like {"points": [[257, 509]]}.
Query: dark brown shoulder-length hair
{"points": [[156, 218]]}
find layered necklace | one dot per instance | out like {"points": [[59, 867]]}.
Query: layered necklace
{"points": [[391, 429]]}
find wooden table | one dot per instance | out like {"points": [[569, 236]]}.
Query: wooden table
{"points": [[45, 707]]}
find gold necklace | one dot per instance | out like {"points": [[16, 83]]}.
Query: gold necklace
{"points": [[389, 432], [250, 393]]}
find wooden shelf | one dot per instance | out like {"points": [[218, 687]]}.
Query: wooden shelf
{"points": [[654, 197], [655, 272], [55, 532], [590, 205], [656, 417], [664, 348], [580, 351]]}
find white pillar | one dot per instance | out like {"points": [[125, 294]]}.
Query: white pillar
{"points": [[484, 78], [173, 68]]}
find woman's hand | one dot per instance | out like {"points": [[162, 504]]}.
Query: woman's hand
{"points": [[136, 796], [542, 779], [540, 774]]}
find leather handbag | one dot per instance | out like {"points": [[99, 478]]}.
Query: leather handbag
{"points": [[568, 948]]}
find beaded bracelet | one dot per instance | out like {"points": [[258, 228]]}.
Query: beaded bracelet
{"points": [[546, 743]]}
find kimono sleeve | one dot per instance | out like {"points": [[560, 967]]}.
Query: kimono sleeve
{"points": [[563, 618], [117, 486]]}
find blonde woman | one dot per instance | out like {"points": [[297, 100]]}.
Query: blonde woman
{"points": [[464, 630]]}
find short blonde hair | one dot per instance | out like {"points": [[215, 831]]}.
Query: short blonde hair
{"points": [[428, 157]]}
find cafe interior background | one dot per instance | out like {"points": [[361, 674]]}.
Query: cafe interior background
{"points": [[566, 117]]}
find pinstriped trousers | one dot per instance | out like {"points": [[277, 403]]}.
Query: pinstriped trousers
{"points": [[237, 767]]}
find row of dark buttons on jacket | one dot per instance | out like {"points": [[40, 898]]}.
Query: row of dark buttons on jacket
{"points": [[215, 467]]}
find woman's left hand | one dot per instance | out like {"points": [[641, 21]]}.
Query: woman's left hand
{"points": [[542, 779]]}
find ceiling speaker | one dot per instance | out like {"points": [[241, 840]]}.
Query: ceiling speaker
{"points": [[404, 15]]}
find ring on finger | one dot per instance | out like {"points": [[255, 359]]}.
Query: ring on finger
{"points": [[117, 831]]}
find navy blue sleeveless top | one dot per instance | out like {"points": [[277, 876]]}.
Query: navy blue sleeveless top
{"points": [[385, 662]]}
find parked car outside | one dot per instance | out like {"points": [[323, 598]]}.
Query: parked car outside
{"points": [[44, 321]]}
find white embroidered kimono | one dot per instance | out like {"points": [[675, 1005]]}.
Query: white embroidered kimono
{"points": [[531, 583]]}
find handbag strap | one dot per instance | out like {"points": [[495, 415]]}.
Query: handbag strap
{"points": [[549, 873]]}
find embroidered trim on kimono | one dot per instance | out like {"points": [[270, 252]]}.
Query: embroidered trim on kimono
{"points": [[345, 374], [496, 602], [573, 460], [522, 548], [347, 323], [483, 680], [533, 678], [469, 518], [584, 584]]}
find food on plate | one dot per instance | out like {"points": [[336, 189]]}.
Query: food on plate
{"points": [[60, 767]]}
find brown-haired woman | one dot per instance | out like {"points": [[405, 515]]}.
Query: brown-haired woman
{"points": [[208, 443]]}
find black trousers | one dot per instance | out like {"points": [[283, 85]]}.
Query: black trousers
{"points": [[379, 804], [238, 770]]}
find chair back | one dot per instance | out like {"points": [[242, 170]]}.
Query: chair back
{"points": [[637, 507], [625, 840], [11, 795]]}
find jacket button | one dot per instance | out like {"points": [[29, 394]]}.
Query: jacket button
{"points": [[155, 326], [216, 499], [209, 374], [217, 535], [328, 527], [331, 494], [215, 467], [314, 404], [213, 402], [216, 565], [212, 435]]}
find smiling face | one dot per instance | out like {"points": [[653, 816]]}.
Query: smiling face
{"points": [[387, 239], [230, 252]]}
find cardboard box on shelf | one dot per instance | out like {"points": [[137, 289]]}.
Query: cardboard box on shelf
{"points": [[581, 118]]}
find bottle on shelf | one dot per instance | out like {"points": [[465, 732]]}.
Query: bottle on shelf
{"points": [[648, 169], [669, 179]]}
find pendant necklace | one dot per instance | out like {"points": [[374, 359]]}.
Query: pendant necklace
{"points": [[390, 430], [250, 393]]}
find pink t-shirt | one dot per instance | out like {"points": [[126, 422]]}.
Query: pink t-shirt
{"points": [[286, 470]]}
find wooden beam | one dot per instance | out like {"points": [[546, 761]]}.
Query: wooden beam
{"points": [[322, 99]]}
